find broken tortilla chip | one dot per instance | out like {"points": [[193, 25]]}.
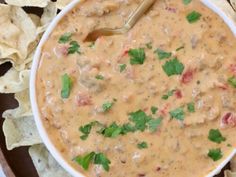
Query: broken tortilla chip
{"points": [[229, 173], [24, 3], [20, 132], [233, 3], [44, 163], [233, 164], [24, 108], [62, 3], [14, 81]]}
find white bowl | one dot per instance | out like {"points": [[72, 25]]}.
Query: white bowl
{"points": [[226, 14]]}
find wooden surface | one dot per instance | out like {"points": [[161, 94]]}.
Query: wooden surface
{"points": [[17, 163]]}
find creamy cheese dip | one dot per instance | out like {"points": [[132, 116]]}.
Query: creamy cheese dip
{"points": [[157, 101]]}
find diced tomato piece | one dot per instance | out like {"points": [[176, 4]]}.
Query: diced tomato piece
{"points": [[61, 50], [126, 51], [83, 99], [187, 76], [164, 110], [178, 94], [232, 68], [229, 119]]}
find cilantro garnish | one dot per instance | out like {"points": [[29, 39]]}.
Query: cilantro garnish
{"points": [[140, 119], [122, 67], [232, 81], [180, 48], [74, 48], [107, 106], [149, 45], [153, 124], [66, 86], [99, 77], [186, 2], [191, 107], [142, 145], [154, 109], [173, 67], [162, 54], [92, 157], [112, 131], [216, 136], [193, 17], [177, 114], [86, 129], [126, 128], [65, 38], [137, 56], [215, 154], [169, 93]]}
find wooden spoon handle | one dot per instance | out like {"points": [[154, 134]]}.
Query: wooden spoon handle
{"points": [[135, 16]]}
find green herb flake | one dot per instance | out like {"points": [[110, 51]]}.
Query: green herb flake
{"points": [[177, 114], [162, 54], [180, 48], [140, 119], [149, 45], [173, 67], [74, 48], [232, 81], [65, 38], [215, 154], [92, 45], [142, 145], [154, 109], [127, 128], [99, 77], [186, 2], [66, 86], [86, 129], [85, 160], [193, 17], [107, 106], [216, 136], [122, 67], [191, 107], [153, 124], [169, 94], [101, 159], [112, 131], [137, 56]]}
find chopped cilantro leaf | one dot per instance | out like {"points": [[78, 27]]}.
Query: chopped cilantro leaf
{"points": [[180, 48], [99, 77], [216, 136], [92, 157], [85, 160], [86, 129], [65, 38], [142, 145], [162, 54], [186, 2], [169, 93], [215, 154], [153, 124], [126, 128], [112, 131], [177, 114], [173, 67], [101, 159], [137, 56], [191, 107], [74, 48], [107, 106], [232, 81], [149, 45], [193, 17], [66, 86], [122, 67], [154, 109], [140, 119]]}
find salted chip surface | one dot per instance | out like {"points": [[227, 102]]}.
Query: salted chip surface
{"points": [[44, 163], [14, 81], [32, 3], [20, 132], [24, 108]]}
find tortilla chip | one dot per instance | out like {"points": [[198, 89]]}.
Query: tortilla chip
{"points": [[228, 173], [24, 108], [17, 33], [32, 3], [14, 81], [20, 132], [233, 3], [44, 163], [35, 19], [62, 3], [233, 164]]}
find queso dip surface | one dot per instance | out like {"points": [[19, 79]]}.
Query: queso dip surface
{"points": [[157, 101]]}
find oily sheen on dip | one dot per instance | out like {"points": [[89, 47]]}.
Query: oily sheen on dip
{"points": [[157, 101]]}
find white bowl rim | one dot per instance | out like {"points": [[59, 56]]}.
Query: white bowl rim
{"points": [[33, 98]]}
